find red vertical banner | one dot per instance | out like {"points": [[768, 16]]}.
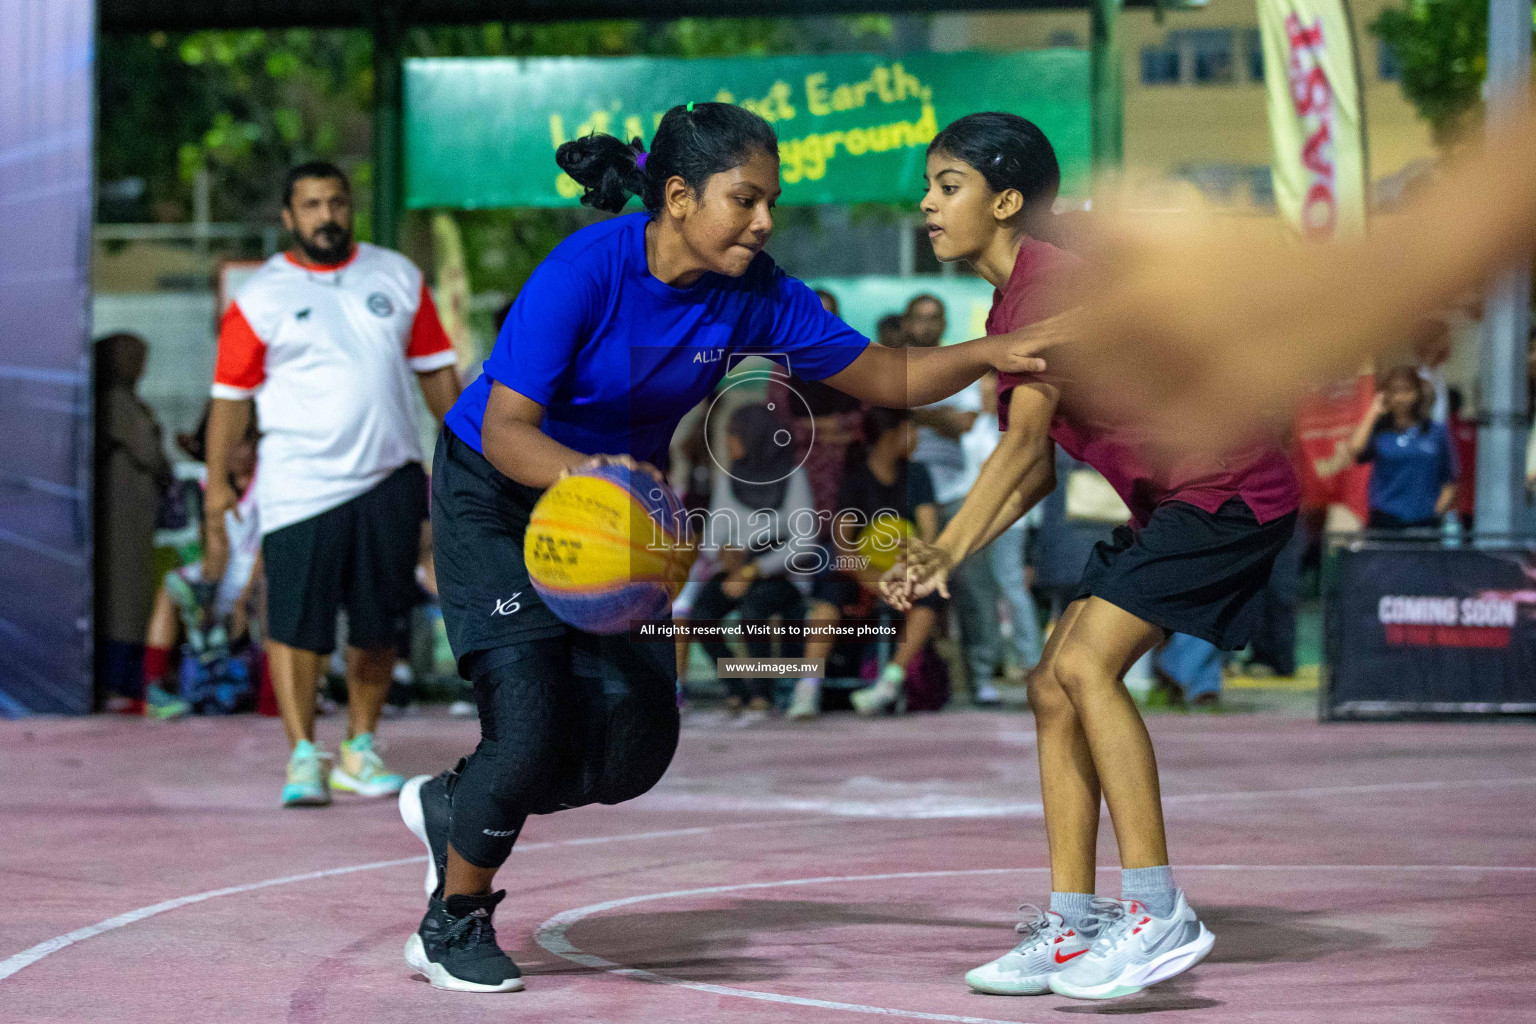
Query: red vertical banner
{"points": [[1323, 425], [1317, 126]]}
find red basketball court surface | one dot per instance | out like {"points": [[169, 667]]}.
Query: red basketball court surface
{"points": [[825, 872]]}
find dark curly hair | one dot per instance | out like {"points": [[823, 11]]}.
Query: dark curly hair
{"points": [[692, 142]]}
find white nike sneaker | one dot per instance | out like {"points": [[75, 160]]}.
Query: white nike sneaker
{"points": [[1132, 949], [1048, 946], [806, 703]]}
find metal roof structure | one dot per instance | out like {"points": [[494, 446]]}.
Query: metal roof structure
{"points": [[187, 15]]}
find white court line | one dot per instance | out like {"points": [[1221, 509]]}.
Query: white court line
{"points": [[18, 961], [942, 805], [27, 957], [552, 936], [552, 933]]}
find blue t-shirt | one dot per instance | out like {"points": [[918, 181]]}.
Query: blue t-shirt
{"points": [[617, 357], [1408, 469]]}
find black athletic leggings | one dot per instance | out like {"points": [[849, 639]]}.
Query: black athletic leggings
{"points": [[565, 722]]}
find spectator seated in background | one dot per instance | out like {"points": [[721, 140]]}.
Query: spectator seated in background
{"points": [[823, 420], [757, 503], [883, 493], [213, 616], [1413, 460]]}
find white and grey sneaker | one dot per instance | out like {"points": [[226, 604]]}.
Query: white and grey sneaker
{"points": [[1048, 946], [986, 695], [806, 703], [1132, 949]]}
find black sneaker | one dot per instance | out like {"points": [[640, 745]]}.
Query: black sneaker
{"points": [[455, 947], [426, 805]]}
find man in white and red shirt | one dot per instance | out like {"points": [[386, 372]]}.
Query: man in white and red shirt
{"points": [[324, 340]]}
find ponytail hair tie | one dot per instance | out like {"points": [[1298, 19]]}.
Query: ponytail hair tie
{"points": [[640, 159], [690, 106]]}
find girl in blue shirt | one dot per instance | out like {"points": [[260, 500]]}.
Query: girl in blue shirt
{"points": [[1413, 460], [626, 326]]}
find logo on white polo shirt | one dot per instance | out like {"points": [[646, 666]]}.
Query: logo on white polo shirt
{"points": [[379, 304]]}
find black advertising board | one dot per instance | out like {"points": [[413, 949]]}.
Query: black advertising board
{"points": [[1425, 629]]}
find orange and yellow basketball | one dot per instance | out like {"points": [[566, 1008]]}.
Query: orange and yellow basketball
{"points": [[607, 547]]}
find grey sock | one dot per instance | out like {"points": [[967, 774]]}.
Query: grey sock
{"points": [[1072, 906], [1151, 887]]}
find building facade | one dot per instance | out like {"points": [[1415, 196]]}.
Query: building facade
{"points": [[1194, 92]]}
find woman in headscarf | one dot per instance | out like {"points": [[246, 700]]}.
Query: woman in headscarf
{"points": [[131, 474]]}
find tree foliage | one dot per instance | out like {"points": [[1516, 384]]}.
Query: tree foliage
{"points": [[246, 105], [1442, 48]]}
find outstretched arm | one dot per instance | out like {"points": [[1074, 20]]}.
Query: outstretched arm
{"points": [[1211, 333], [1039, 481], [904, 378], [1017, 475], [1026, 444]]}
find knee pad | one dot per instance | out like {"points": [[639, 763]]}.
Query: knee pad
{"points": [[622, 739], [521, 728], [638, 758]]}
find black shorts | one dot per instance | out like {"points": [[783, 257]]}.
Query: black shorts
{"points": [[479, 517], [1190, 571], [360, 555]]}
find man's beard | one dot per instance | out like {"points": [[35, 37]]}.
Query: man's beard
{"points": [[328, 244]]}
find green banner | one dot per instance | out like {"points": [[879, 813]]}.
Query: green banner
{"points": [[482, 132]]}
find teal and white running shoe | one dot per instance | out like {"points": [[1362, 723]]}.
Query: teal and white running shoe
{"points": [[306, 778], [163, 705], [360, 770], [1048, 946], [1132, 950]]}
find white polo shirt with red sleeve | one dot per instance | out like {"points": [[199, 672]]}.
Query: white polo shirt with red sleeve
{"points": [[329, 354]]}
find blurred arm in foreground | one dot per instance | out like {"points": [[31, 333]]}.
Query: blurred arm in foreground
{"points": [[1209, 337]]}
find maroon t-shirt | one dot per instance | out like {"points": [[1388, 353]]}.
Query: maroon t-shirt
{"points": [[1262, 477]]}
